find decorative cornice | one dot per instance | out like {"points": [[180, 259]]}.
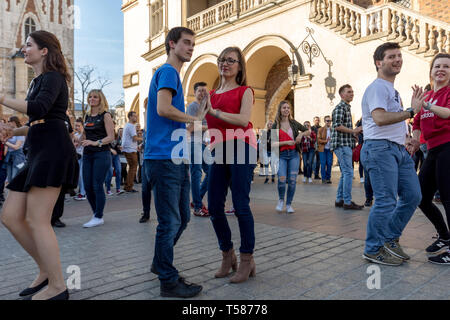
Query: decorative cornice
{"points": [[129, 4]]}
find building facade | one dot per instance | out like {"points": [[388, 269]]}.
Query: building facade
{"points": [[18, 18], [296, 50]]}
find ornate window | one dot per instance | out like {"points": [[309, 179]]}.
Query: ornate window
{"points": [[157, 14], [30, 26]]}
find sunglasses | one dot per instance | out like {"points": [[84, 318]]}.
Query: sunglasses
{"points": [[328, 121]]}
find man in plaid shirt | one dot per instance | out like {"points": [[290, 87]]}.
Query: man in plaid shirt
{"points": [[342, 143]]}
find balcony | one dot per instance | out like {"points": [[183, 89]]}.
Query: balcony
{"points": [[415, 32], [225, 12]]}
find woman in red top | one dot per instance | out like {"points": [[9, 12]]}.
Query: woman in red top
{"points": [[234, 150], [433, 121], [290, 133]]}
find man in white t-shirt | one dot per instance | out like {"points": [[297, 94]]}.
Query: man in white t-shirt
{"points": [[130, 141], [391, 169]]}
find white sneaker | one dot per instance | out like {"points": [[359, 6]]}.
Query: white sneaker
{"points": [[280, 205], [362, 180], [289, 209], [94, 223], [310, 180], [109, 193], [304, 179]]}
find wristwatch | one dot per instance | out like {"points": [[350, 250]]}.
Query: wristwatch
{"points": [[100, 143], [411, 112]]}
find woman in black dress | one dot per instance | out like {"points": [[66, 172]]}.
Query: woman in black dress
{"points": [[51, 163]]}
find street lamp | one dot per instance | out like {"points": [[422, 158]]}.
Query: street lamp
{"points": [[330, 83], [293, 70]]}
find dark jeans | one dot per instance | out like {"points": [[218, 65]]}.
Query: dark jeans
{"points": [[198, 187], [367, 185], [115, 166], [95, 168], [316, 164], [308, 161], [435, 175], [240, 177], [2, 177], [146, 192], [171, 185]]}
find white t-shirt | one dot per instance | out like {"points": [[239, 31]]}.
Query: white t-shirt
{"points": [[128, 145], [327, 146], [80, 147], [381, 94]]}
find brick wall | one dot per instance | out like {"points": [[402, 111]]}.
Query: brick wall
{"points": [[437, 9]]}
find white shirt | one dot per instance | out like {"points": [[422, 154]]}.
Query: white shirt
{"points": [[128, 145], [381, 95], [327, 146]]}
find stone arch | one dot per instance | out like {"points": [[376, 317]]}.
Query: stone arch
{"points": [[262, 56], [204, 69], [135, 107], [278, 96]]}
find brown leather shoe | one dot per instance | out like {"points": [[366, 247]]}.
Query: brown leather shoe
{"points": [[247, 268], [352, 206], [339, 204], [229, 261]]}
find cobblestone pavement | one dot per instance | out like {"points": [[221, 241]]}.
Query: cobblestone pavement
{"points": [[313, 254]]}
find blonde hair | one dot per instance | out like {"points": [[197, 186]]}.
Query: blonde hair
{"points": [[278, 117], [103, 102]]}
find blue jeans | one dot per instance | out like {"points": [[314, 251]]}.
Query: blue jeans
{"points": [[316, 164], [171, 185], [82, 191], [115, 165], [198, 187], [367, 185], [288, 170], [308, 159], [146, 192], [95, 169], [240, 177], [392, 175], [344, 192], [326, 163]]}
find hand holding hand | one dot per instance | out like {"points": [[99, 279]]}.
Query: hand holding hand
{"points": [[412, 145], [204, 108]]}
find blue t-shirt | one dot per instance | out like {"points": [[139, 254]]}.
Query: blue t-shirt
{"points": [[159, 144]]}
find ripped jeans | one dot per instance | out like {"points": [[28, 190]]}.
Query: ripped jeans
{"points": [[288, 170]]}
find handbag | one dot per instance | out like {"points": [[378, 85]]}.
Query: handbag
{"points": [[356, 153]]}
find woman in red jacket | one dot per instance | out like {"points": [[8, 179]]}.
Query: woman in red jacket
{"points": [[433, 121]]}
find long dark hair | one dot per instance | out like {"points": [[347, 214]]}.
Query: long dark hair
{"points": [[54, 60]]}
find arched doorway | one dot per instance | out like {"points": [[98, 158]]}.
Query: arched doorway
{"points": [[268, 59], [135, 107]]}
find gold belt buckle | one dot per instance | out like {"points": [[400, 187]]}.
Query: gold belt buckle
{"points": [[37, 122]]}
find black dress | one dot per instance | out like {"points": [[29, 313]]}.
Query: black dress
{"points": [[51, 158]]}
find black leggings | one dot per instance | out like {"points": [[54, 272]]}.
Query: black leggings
{"points": [[435, 175]]}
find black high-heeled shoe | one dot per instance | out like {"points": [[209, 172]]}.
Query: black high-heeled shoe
{"points": [[62, 296], [30, 291]]}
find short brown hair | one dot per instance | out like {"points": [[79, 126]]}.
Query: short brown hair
{"points": [[15, 120], [380, 52], [175, 34], [345, 86]]}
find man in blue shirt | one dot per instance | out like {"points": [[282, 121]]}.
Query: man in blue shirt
{"points": [[164, 168]]}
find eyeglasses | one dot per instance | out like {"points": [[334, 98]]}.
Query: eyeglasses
{"points": [[229, 61], [327, 120]]}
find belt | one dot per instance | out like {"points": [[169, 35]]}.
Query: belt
{"points": [[37, 122]]}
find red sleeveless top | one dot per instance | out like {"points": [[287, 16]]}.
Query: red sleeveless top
{"points": [[229, 102], [284, 136]]}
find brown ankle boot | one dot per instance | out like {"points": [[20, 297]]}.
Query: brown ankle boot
{"points": [[229, 261], [247, 268]]}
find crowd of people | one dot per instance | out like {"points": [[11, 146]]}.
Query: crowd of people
{"points": [[211, 148]]}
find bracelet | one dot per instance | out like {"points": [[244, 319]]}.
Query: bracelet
{"points": [[218, 114], [428, 106]]}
